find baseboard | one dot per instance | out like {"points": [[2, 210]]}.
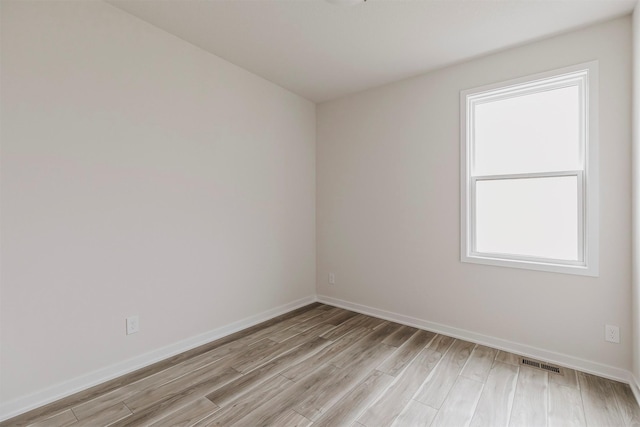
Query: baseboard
{"points": [[24, 404], [567, 361]]}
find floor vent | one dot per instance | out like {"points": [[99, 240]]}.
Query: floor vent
{"points": [[541, 365]]}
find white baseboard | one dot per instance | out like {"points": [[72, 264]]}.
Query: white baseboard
{"points": [[24, 404], [567, 361]]}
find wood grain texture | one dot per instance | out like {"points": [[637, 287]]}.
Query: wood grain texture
{"points": [[248, 402], [479, 364], [629, 408], [506, 357], [565, 406], [64, 418], [268, 412], [188, 415], [325, 366], [347, 410], [105, 417], [391, 403], [405, 354], [569, 379], [459, 408], [315, 404], [291, 419], [415, 414], [530, 400], [302, 368], [496, 401], [438, 385], [400, 336], [223, 395], [600, 405]]}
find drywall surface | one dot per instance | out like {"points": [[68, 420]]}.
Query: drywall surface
{"points": [[388, 206], [140, 176], [636, 192]]}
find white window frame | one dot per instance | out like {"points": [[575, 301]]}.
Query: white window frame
{"points": [[585, 77]]}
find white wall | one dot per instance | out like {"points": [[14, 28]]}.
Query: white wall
{"points": [[140, 175], [636, 193], [388, 206]]}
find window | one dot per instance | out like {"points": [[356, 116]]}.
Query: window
{"points": [[529, 172]]}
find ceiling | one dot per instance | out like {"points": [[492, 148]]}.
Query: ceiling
{"points": [[323, 51]]}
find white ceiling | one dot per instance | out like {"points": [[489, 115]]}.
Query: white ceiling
{"points": [[322, 51]]}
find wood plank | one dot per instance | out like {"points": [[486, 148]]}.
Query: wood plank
{"points": [[62, 419], [406, 353], [267, 413], [569, 379], [311, 396], [458, 408], [304, 367], [441, 343], [327, 317], [353, 352], [530, 400], [258, 351], [248, 402], [106, 416], [627, 403], [359, 320], [152, 395], [400, 336], [565, 406], [339, 318], [314, 404], [600, 406], [347, 410], [391, 403], [227, 393], [152, 408], [506, 357], [292, 419], [496, 400], [437, 386], [415, 414], [188, 415], [480, 363]]}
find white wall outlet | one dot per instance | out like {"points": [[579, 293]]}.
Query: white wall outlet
{"points": [[332, 279], [612, 334], [133, 325]]}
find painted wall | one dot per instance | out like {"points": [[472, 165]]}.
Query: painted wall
{"points": [[636, 193], [388, 207], [140, 175]]}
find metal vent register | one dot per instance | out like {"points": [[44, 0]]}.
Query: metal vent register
{"points": [[541, 365]]}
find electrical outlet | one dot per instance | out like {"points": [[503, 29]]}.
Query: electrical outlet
{"points": [[332, 279], [612, 334], [133, 325]]}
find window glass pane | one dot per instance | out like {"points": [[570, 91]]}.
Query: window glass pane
{"points": [[538, 132], [535, 217]]}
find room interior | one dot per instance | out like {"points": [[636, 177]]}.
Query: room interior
{"points": [[205, 166]]}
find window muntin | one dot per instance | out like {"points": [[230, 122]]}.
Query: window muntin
{"points": [[529, 170]]}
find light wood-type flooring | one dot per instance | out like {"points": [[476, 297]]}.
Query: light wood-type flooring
{"points": [[325, 366]]}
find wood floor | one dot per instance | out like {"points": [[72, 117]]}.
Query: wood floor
{"points": [[324, 366]]}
